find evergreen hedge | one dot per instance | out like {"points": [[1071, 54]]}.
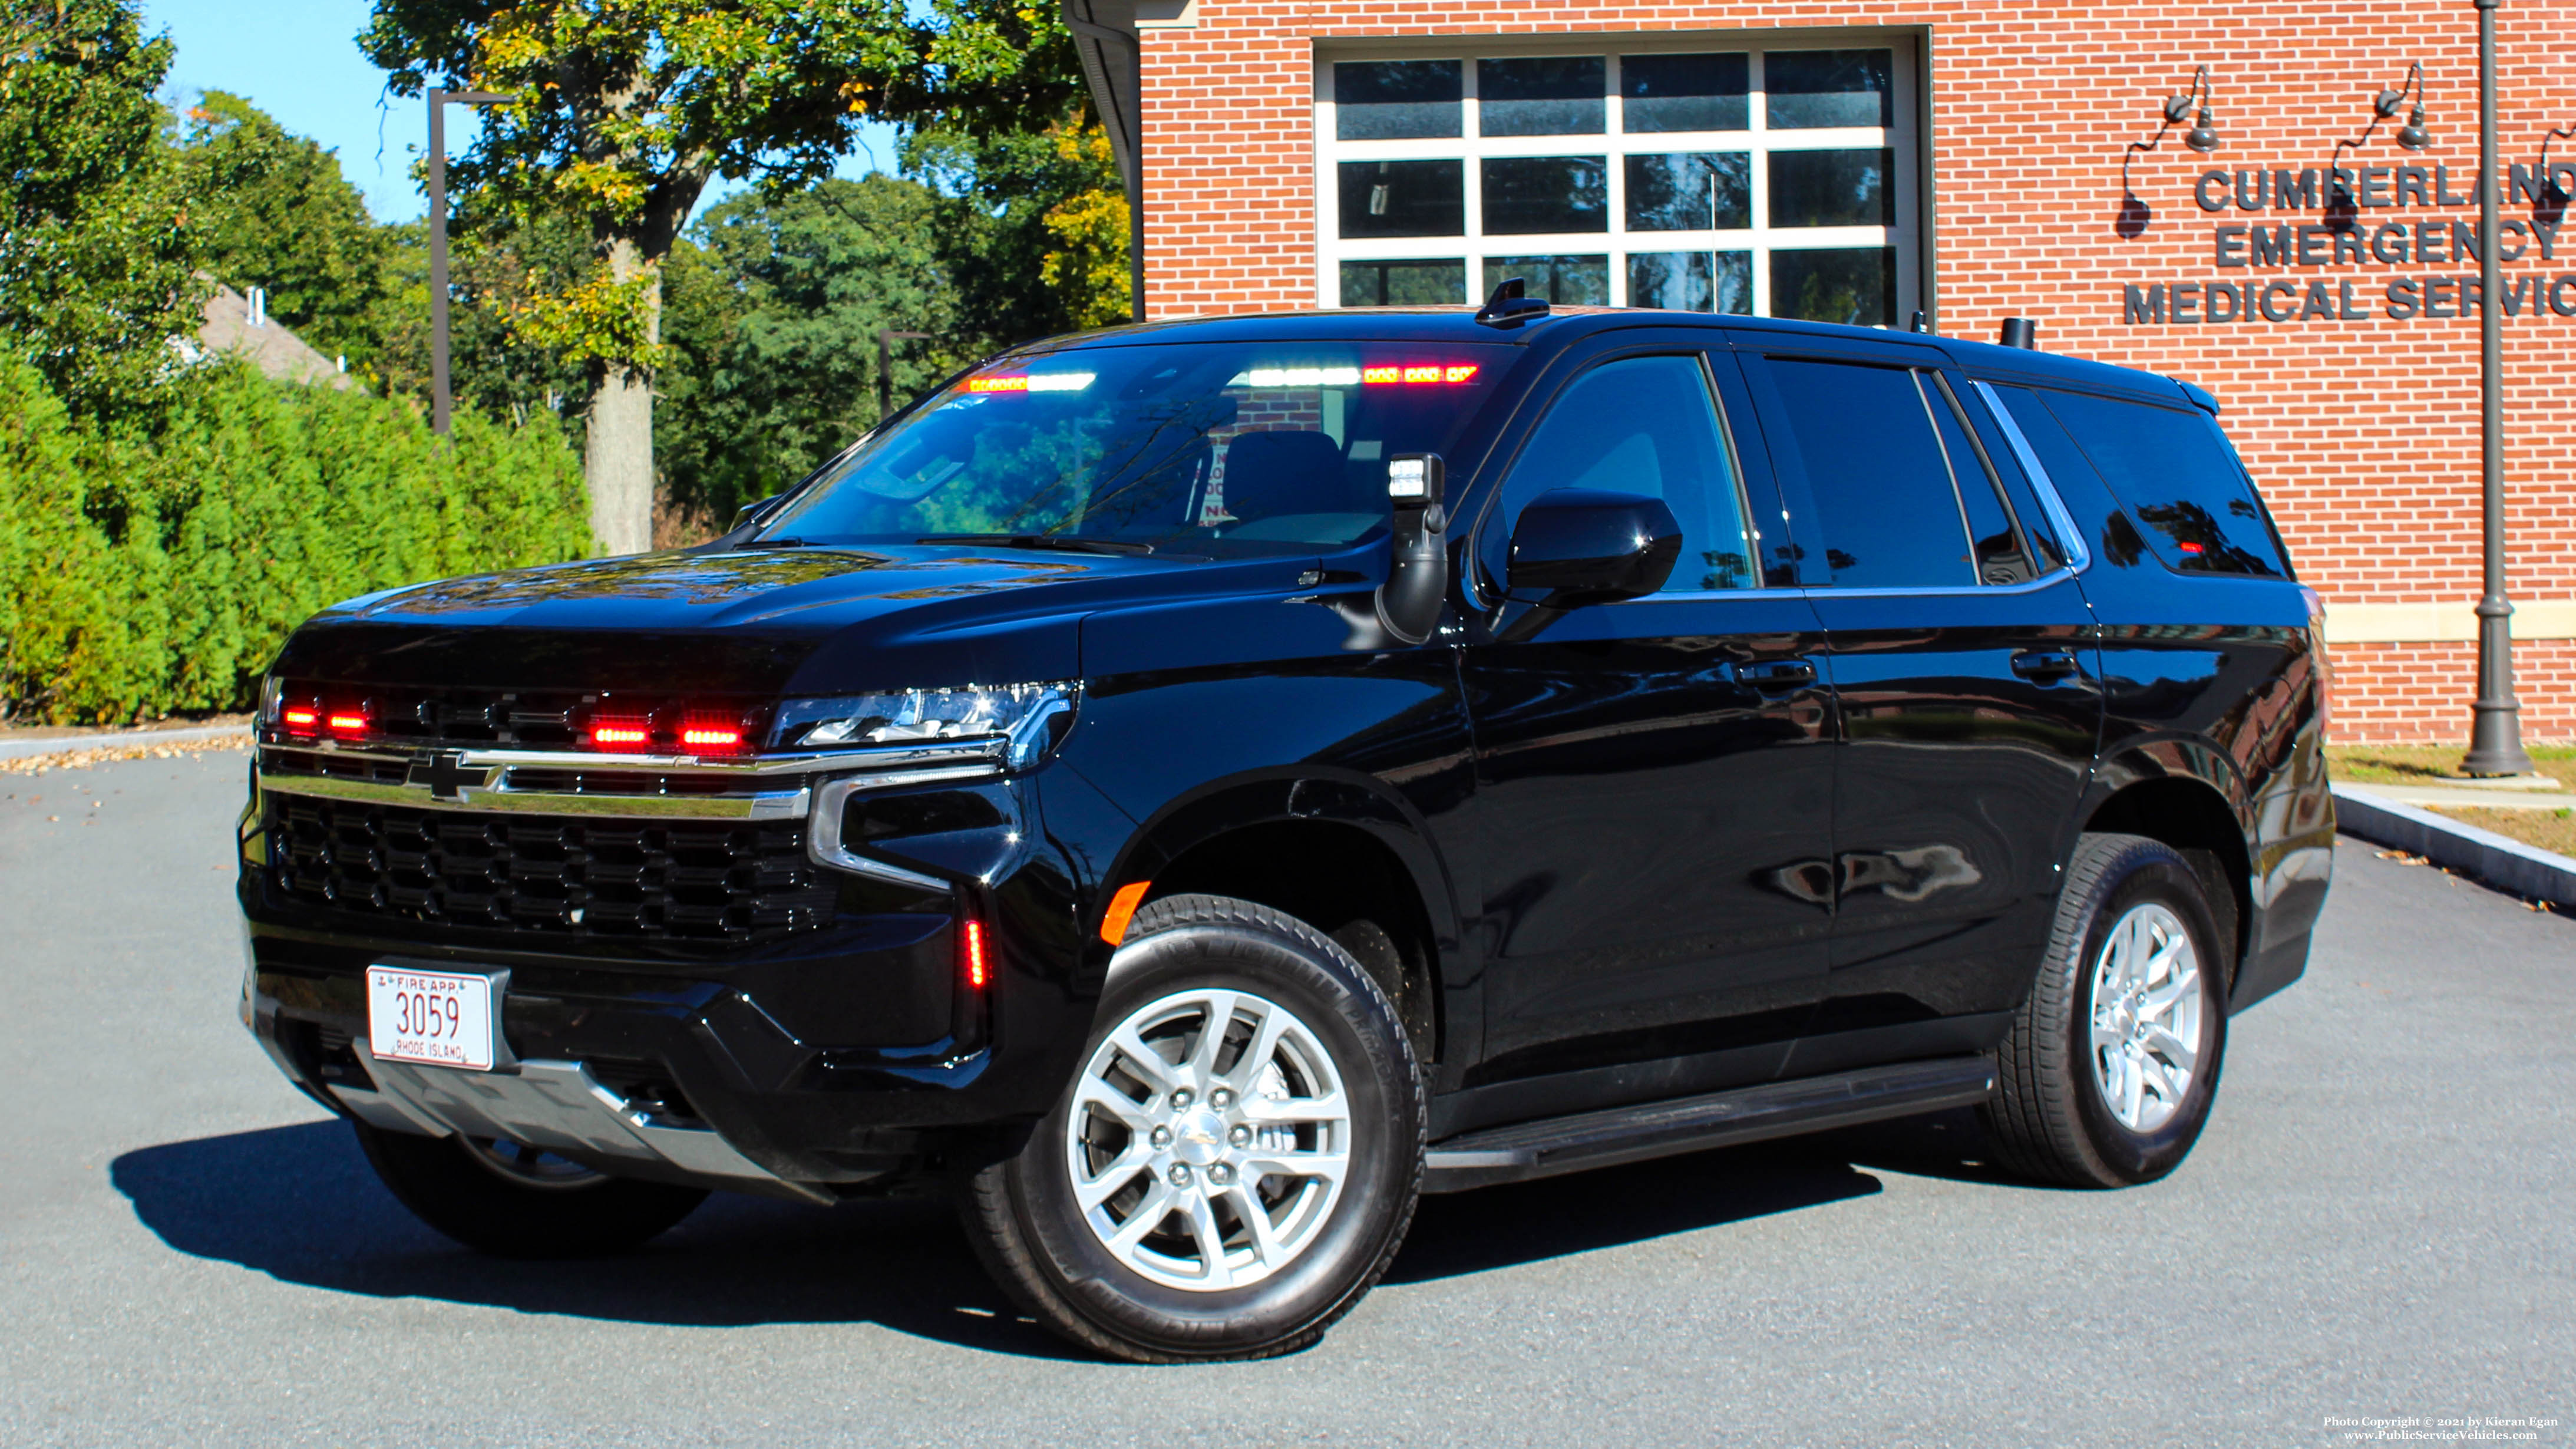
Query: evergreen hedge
{"points": [[141, 577]]}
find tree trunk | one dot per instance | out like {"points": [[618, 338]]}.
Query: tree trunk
{"points": [[617, 456]]}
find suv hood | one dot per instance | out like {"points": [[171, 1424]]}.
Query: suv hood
{"points": [[757, 621]]}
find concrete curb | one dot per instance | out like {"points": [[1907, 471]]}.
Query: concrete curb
{"points": [[2506, 864], [21, 749]]}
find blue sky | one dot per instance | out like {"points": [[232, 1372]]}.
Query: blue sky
{"points": [[298, 61]]}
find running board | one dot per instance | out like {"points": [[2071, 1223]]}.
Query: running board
{"points": [[1547, 1147]]}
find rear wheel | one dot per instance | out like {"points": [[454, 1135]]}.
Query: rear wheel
{"points": [[2108, 1073], [515, 1201], [1238, 1156]]}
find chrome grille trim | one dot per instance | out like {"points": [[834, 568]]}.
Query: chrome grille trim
{"points": [[761, 805]]}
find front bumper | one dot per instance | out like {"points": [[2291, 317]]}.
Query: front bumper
{"points": [[802, 1065]]}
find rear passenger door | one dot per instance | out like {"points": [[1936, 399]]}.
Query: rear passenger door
{"points": [[1966, 677]]}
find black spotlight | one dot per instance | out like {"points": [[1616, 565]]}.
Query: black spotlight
{"points": [[2412, 135]]}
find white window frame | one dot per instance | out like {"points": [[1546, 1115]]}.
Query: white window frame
{"points": [[1901, 139]]}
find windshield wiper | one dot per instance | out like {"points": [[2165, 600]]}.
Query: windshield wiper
{"points": [[1043, 540]]}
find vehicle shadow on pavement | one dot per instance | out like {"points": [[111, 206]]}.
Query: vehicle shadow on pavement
{"points": [[301, 1205], [1501, 1227]]}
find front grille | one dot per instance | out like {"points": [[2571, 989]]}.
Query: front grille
{"points": [[633, 880]]}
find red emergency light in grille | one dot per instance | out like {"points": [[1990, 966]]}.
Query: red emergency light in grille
{"points": [[621, 734], [712, 736], [301, 720], [347, 724]]}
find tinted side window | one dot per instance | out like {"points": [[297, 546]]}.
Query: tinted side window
{"points": [[1645, 425], [2177, 477], [2000, 556], [1881, 484]]}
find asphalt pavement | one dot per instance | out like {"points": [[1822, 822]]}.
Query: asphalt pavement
{"points": [[2377, 1226]]}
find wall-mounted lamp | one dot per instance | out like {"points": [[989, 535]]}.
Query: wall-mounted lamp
{"points": [[2343, 213], [2202, 136], [2412, 135], [2131, 223]]}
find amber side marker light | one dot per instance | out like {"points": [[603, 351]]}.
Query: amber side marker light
{"points": [[970, 953], [1122, 910]]}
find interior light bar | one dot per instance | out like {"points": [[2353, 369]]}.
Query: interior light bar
{"points": [[1300, 377], [1445, 373], [1031, 382]]}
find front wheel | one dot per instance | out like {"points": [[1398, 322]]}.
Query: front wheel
{"points": [[1237, 1159], [2107, 1074]]}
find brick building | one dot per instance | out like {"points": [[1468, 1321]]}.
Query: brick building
{"points": [[1972, 161]]}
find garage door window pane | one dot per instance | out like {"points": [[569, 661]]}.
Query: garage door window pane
{"points": [[1404, 284], [1684, 93], [1555, 96], [1692, 281], [1832, 188], [1388, 100], [1889, 515], [1691, 191], [1404, 198], [1852, 285], [1531, 194], [1567, 281], [1806, 89]]}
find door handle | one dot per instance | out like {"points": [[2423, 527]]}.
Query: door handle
{"points": [[2046, 666], [1776, 674]]}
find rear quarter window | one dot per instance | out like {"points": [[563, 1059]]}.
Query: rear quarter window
{"points": [[2176, 475]]}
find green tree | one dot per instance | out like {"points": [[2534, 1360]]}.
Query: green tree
{"points": [[97, 264], [774, 304], [1035, 230], [624, 113], [272, 210]]}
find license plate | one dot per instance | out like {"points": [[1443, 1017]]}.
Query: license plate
{"points": [[430, 1017]]}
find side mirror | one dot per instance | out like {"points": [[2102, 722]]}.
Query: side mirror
{"points": [[1576, 546]]}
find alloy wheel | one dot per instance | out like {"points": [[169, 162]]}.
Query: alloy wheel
{"points": [[2146, 1028], [1209, 1139]]}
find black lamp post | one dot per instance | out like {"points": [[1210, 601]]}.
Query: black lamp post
{"points": [[438, 103], [2495, 719]]}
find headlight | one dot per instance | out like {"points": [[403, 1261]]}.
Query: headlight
{"points": [[1031, 716]]}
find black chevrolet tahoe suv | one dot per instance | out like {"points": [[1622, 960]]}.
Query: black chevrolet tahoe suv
{"points": [[1185, 791]]}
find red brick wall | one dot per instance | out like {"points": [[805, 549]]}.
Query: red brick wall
{"points": [[2363, 433]]}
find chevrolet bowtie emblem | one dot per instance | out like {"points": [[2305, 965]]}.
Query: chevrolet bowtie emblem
{"points": [[447, 775]]}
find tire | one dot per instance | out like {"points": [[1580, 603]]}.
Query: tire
{"points": [[1193, 1279], [519, 1204], [2066, 1110]]}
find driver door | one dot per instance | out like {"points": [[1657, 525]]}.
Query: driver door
{"points": [[1654, 776]]}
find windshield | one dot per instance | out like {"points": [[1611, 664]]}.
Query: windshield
{"points": [[1212, 448]]}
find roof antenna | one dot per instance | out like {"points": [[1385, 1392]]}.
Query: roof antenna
{"points": [[1511, 305]]}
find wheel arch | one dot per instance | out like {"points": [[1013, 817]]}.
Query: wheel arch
{"points": [[2189, 796], [1330, 847]]}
